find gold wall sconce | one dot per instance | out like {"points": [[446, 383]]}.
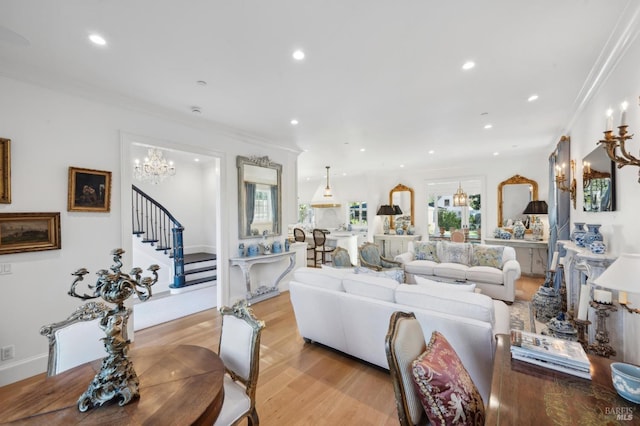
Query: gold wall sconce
{"points": [[615, 145], [562, 178]]}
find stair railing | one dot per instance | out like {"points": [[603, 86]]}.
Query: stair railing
{"points": [[157, 226]]}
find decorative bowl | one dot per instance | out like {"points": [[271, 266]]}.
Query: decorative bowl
{"points": [[597, 247], [626, 380]]}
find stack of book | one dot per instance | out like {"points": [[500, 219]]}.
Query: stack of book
{"points": [[550, 352]]}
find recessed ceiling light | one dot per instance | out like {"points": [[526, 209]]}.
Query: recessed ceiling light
{"points": [[201, 83], [196, 109], [298, 55], [488, 126], [294, 122], [97, 39], [362, 149], [468, 65], [196, 160], [344, 173], [495, 154], [532, 98], [401, 166], [431, 151]]}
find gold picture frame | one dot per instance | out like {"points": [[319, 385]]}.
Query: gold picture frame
{"points": [[5, 171], [89, 190], [22, 232]]}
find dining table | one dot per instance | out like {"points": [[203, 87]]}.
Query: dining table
{"points": [[179, 385]]}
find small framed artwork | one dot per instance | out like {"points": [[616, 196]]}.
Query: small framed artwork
{"points": [[5, 171], [89, 190], [21, 232]]}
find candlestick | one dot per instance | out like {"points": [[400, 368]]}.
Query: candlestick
{"points": [[602, 296], [623, 116], [622, 297], [583, 306], [609, 119]]}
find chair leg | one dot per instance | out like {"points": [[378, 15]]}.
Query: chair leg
{"points": [[253, 418]]}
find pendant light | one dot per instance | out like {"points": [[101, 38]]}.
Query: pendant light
{"points": [[324, 198], [460, 198]]}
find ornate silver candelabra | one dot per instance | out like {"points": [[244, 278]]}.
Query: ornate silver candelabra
{"points": [[116, 378]]}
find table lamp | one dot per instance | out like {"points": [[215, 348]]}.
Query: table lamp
{"points": [[386, 210], [536, 207], [623, 275]]}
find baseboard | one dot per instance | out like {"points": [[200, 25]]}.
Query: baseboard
{"points": [[22, 369], [172, 306]]}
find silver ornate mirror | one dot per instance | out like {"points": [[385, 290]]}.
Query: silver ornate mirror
{"points": [[259, 197], [598, 182]]}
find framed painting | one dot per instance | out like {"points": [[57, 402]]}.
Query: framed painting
{"points": [[21, 232], [5, 171], [89, 190]]}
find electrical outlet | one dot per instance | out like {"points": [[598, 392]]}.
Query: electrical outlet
{"points": [[8, 352], [5, 268]]}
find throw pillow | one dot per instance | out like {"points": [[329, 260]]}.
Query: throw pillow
{"points": [[436, 285], [426, 250], [446, 390], [395, 274], [487, 256], [457, 252]]}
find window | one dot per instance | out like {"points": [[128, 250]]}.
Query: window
{"points": [[442, 216], [262, 212], [358, 213]]}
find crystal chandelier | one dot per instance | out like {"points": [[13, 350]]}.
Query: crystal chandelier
{"points": [[155, 168]]}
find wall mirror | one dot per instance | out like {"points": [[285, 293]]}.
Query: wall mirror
{"points": [[402, 196], [513, 196], [598, 182], [259, 197]]}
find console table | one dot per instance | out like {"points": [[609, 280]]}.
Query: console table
{"points": [[179, 385], [524, 243], [262, 292], [526, 394]]}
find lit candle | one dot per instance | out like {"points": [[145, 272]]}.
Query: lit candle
{"points": [[623, 116], [609, 119], [602, 296], [583, 306], [622, 297]]}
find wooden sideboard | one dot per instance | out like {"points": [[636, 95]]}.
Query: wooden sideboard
{"points": [[525, 394]]}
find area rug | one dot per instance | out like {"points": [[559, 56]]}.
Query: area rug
{"points": [[521, 316]]}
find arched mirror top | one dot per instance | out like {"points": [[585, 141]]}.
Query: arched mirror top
{"points": [[402, 196], [259, 197], [513, 196]]}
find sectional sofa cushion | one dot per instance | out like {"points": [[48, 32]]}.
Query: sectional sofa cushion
{"points": [[435, 285], [485, 274], [445, 387], [460, 303], [457, 271], [380, 288], [328, 278]]}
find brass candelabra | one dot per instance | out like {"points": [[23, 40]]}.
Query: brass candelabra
{"points": [[611, 143], [561, 178]]}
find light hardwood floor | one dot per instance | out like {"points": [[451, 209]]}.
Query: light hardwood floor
{"points": [[301, 383]]}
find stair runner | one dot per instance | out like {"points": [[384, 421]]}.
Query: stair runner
{"points": [[200, 268]]}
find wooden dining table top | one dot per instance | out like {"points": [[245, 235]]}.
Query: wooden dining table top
{"points": [[179, 385]]}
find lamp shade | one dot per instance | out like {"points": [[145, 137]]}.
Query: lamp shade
{"points": [[622, 275], [536, 207], [396, 209], [385, 210]]}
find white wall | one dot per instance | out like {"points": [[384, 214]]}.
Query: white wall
{"points": [[51, 131], [620, 228]]}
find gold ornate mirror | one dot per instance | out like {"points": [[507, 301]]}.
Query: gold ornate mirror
{"points": [[402, 196], [513, 196]]}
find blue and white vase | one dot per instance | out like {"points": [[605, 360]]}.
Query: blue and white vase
{"points": [[593, 234], [287, 245], [518, 230], [597, 247], [276, 247], [241, 250], [578, 231]]}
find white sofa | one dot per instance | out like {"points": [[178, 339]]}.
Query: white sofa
{"points": [[350, 312], [493, 268]]}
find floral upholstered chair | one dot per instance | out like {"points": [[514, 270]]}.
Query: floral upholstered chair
{"points": [[371, 258]]}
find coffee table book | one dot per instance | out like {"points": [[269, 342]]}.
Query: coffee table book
{"points": [[550, 352]]}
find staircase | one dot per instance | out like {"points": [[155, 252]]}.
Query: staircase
{"points": [[156, 226]]}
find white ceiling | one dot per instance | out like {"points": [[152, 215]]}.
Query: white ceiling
{"points": [[380, 75]]}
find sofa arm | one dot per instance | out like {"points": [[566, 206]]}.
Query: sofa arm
{"points": [[388, 263], [511, 272], [404, 257]]}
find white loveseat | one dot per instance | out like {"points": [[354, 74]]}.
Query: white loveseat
{"points": [[350, 312], [493, 268]]}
